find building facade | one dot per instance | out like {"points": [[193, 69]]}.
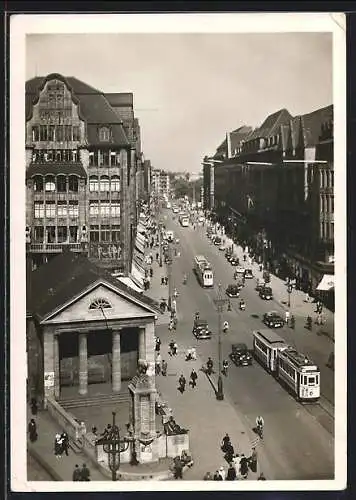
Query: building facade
{"points": [[160, 182], [82, 148], [274, 190]]}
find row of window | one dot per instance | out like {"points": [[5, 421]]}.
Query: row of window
{"points": [[261, 346], [104, 209], [56, 155], [326, 178], [51, 184], [55, 133], [326, 203], [287, 368], [104, 157], [104, 183], [54, 234], [104, 234], [50, 209]]}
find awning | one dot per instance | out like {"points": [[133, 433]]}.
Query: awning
{"points": [[130, 283], [327, 283], [139, 246], [138, 259], [141, 238], [137, 276]]}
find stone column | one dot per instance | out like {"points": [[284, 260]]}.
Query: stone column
{"points": [[57, 384], [141, 343], [48, 365], [116, 361], [83, 364]]}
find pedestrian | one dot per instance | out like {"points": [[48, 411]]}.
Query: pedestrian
{"points": [[175, 348], [182, 382], [171, 325], [34, 407], [162, 280], [217, 476], [164, 368], [193, 379], [222, 473], [229, 455], [231, 473], [151, 272], [287, 316], [171, 348], [65, 442], [32, 430], [225, 442], [77, 476], [158, 364], [166, 280], [58, 450], [178, 468], [253, 460], [244, 466], [157, 257], [158, 344], [85, 473]]}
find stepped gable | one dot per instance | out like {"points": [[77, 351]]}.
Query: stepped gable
{"points": [[94, 107], [312, 124], [66, 276]]}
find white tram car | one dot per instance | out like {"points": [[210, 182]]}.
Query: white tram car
{"points": [[289, 366], [300, 374], [203, 271]]}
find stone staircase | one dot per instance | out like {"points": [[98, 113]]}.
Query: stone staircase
{"points": [[95, 400]]}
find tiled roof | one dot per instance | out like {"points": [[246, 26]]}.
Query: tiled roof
{"points": [[93, 105], [236, 136], [120, 99], [65, 277], [312, 123], [48, 168]]}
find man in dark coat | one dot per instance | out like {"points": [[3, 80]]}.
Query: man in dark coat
{"points": [[193, 379], [217, 476], [85, 473], [65, 442], [164, 368], [229, 455], [231, 473], [253, 460], [32, 430], [76, 473], [225, 441], [182, 382], [244, 466]]}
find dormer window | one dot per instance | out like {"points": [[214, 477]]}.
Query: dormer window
{"points": [[104, 134], [100, 303]]}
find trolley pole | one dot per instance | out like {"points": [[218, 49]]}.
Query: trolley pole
{"points": [[220, 302]]}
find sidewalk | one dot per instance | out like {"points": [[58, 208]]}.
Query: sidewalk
{"points": [[299, 307], [207, 419]]}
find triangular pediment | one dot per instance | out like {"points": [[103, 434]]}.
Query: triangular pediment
{"points": [[99, 299]]}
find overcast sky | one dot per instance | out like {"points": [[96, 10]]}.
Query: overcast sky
{"points": [[189, 90]]}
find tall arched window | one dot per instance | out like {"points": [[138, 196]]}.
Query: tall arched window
{"points": [[38, 183], [73, 183], [104, 183], [50, 185], [93, 183], [115, 183]]}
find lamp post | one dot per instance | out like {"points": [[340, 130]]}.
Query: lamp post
{"points": [[220, 302], [113, 445], [169, 271], [289, 290], [160, 243]]}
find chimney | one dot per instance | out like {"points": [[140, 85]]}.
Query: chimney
{"points": [[228, 142]]}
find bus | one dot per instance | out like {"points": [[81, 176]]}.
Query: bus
{"points": [[203, 271], [184, 220], [299, 374], [266, 345]]}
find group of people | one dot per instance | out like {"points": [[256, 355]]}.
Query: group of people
{"points": [[61, 444], [239, 464], [81, 473], [182, 382]]}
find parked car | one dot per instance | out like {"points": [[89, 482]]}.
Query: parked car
{"points": [[273, 320], [240, 270], [232, 291], [240, 355], [217, 241], [260, 284], [201, 329], [266, 293], [248, 274]]}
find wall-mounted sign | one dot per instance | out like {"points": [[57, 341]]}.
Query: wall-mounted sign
{"points": [[49, 379]]}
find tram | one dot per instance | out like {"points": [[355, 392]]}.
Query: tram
{"points": [[293, 369], [203, 271]]}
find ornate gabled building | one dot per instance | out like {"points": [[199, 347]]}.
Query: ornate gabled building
{"points": [[82, 149]]}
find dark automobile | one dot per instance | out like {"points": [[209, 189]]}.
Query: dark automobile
{"points": [[240, 355], [266, 293], [248, 274], [217, 241], [234, 261], [201, 329], [228, 254], [232, 291], [273, 320]]}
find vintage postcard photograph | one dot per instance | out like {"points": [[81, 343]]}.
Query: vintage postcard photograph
{"points": [[178, 252]]}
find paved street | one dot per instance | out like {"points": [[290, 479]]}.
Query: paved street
{"points": [[298, 440]]}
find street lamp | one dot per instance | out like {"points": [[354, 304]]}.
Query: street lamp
{"points": [[169, 271], [113, 446], [289, 290], [220, 302], [160, 243]]}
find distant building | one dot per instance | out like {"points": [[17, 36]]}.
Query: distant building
{"points": [[160, 183]]}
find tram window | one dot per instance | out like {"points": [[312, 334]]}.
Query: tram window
{"points": [[317, 379], [311, 380]]}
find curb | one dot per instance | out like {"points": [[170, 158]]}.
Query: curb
{"points": [[48, 468]]}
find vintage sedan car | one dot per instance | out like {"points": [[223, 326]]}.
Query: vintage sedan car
{"points": [[240, 270], [240, 355], [217, 241], [266, 293], [248, 274], [273, 320], [232, 291], [201, 329]]}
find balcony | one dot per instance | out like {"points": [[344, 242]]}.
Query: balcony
{"points": [[56, 247]]}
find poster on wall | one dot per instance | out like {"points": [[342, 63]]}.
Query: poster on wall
{"points": [[49, 379]]}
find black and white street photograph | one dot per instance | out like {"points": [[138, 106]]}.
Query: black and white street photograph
{"points": [[177, 238]]}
